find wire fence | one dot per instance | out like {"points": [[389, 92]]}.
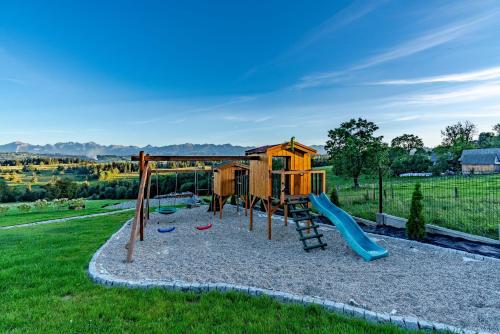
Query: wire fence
{"points": [[468, 203]]}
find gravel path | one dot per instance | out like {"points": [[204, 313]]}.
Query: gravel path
{"points": [[422, 281], [59, 220]]}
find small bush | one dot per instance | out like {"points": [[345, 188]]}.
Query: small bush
{"points": [[415, 227], [4, 209], [334, 197], [24, 208], [41, 204]]}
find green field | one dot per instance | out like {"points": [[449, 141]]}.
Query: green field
{"points": [[44, 288], [468, 204], [14, 217]]}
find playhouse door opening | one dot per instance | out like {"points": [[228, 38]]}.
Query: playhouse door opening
{"points": [[283, 163]]}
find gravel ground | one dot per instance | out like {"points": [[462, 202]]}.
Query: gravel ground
{"points": [[422, 281]]}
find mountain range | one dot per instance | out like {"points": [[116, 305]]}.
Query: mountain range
{"points": [[92, 150]]}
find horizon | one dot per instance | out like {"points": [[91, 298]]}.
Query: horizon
{"points": [[165, 73]]}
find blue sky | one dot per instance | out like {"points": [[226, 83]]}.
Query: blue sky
{"points": [[244, 72]]}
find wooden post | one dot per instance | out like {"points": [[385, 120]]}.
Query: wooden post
{"points": [[380, 186], [220, 207], [250, 226], [324, 181], [269, 219], [286, 214], [246, 205], [282, 188], [141, 221]]}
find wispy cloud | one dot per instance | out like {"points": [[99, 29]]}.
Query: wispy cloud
{"points": [[450, 96], [421, 43], [355, 11], [348, 15], [481, 75]]}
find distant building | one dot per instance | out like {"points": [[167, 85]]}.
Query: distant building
{"points": [[480, 161]]}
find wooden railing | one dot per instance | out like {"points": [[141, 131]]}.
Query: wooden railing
{"points": [[278, 182], [139, 218]]}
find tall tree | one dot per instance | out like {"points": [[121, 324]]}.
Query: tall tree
{"points": [[458, 133], [354, 148], [496, 128], [485, 139], [407, 142]]}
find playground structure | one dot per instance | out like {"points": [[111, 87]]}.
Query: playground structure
{"points": [[230, 179], [282, 177], [279, 176]]}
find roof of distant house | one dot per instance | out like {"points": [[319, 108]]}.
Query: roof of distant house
{"points": [[481, 156]]}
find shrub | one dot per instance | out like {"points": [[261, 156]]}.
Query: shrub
{"points": [[24, 208], [415, 227], [41, 204], [334, 197], [4, 209]]}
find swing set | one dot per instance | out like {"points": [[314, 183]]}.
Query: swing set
{"points": [[142, 210]]}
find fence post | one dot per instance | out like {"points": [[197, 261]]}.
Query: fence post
{"points": [[380, 185]]}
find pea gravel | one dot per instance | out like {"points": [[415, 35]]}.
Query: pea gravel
{"points": [[414, 280]]}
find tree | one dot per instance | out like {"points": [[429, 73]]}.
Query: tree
{"points": [[408, 143], [485, 139], [415, 227], [354, 148], [456, 138], [458, 133], [496, 128]]}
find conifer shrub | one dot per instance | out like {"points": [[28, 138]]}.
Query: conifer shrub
{"points": [[415, 227]]}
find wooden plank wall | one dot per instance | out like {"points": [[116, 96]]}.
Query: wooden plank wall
{"points": [[300, 185], [259, 177]]}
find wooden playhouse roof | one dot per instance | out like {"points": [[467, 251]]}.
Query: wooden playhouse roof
{"points": [[283, 146]]}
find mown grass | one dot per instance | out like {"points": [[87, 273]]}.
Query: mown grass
{"points": [[14, 217], [44, 289], [468, 204]]}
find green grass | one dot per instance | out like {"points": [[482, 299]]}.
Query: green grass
{"points": [[15, 217], [44, 289], [467, 204]]}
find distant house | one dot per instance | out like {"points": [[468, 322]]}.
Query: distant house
{"points": [[481, 161]]}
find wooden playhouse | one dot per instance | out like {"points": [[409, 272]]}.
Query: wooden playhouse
{"points": [[281, 174], [230, 179]]}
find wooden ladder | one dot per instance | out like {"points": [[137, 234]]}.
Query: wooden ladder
{"points": [[299, 211]]}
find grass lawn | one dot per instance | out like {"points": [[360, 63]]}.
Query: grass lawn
{"points": [[467, 204], [44, 289], [14, 217]]}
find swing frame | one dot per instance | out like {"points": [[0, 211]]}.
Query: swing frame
{"points": [[142, 211]]}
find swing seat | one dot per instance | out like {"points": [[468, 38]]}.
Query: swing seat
{"points": [[167, 210], [166, 230], [206, 227]]}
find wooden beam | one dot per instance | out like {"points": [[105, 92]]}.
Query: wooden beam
{"points": [[196, 158], [180, 170], [138, 213]]}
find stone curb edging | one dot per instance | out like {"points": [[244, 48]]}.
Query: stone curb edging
{"points": [[407, 322], [61, 220]]}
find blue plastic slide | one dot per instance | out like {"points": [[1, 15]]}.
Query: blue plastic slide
{"points": [[350, 230]]}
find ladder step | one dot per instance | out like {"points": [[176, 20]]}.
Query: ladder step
{"points": [[302, 228], [299, 210], [298, 219], [312, 236], [322, 245]]}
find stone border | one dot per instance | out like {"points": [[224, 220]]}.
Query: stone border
{"points": [[407, 322], [60, 220]]}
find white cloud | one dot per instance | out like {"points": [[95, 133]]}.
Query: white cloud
{"points": [[451, 96], [480, 75], [421, 43]]}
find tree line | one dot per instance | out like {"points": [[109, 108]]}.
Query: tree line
{"points": [[354, 149]]}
